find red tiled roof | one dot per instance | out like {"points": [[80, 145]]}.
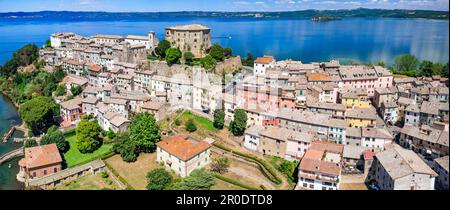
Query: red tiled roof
{"points": [[265, 60], [368, 155], [323, 167], [94, 67], [183, 147], [327, 146], [41, 156], [318, 76]]}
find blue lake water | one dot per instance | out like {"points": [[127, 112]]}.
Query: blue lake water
{"points": [[8, 118], [359, 39]]}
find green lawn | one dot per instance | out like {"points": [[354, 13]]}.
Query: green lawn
{"points": [[200, 122], [74, 157]]}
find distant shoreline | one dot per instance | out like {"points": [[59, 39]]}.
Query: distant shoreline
{"points": [[300, 14]]}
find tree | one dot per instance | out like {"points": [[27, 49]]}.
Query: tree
{"points": [[88, 136], [158, 179], [59, 74], [123, 145], [177, 122], [249, 60], [144, 132], [76, 90], [188, 57], [55, 136], [110, 134], [199, 179], [24, 56], [426, 68], [48, 43], [60, 90], [219, 118], [190, 126], [381, 63], [208, 62], [288, 168], [217, 52], [220, 165], [173, 55], [444, 71], [228, 52], [239, 123], [407, 62], [38, 113], [30, 143], [162, 48]]}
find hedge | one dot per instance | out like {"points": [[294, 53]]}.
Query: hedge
{"points": [[262, 164], [129, 187], [234, 182]]}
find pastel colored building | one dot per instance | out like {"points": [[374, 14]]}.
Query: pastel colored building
{"points": [[39, 161], [183, 154], [261, 65], [320, 167], [361, 117]]}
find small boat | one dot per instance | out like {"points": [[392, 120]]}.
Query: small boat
{"points": [[9, 166]]}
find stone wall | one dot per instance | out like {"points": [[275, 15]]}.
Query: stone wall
{"points": [[229, 65]]}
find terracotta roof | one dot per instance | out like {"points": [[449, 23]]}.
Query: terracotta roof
{"points": [[368, 155], [327, 146], [41, 156], [265, 60], [312, 165], [318, 76], [314, 154], [94, 67], [72, 104], [183, 146]]}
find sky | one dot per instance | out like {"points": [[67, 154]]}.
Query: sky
{"points": [[213, 5]]}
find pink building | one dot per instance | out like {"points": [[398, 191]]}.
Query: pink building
{"points": [[365, 77], [71, 111], [261, 97]]}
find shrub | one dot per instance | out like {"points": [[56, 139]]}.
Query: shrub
{"points": [[104, 175], [177, 122], [158, 179], [190, 126]]}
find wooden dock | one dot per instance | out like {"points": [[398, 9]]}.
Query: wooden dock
{"points": [[9, 134]]}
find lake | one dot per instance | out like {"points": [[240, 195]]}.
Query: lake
{"points": [[9, 117], [358, 39]]}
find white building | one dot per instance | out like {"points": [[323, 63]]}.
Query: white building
{"points": [[320, 167], [441, 168], [389, 111], [412, 115], [401, 169], [56, 38], [251, 137], [183, 154], [375, 138], [261, 64]]}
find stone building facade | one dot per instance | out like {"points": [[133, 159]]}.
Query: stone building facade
{"points": [[195, 38]]}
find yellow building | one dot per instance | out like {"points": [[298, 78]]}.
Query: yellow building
{"points": [[361, 117], [357, 99]]}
